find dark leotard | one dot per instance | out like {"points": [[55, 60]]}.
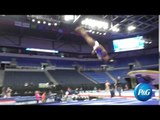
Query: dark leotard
{"points": [[100, 53]]}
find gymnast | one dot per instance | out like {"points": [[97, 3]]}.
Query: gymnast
{"points": [[98, 49]]}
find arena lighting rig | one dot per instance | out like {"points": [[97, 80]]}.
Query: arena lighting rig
{"points": [[43, 19], [115, 26], [53, 19], [96, 26]]}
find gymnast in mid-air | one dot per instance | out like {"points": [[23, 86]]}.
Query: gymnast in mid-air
{"points": [[98, 49]]}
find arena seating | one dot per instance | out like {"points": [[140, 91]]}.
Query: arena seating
{"points": [[69, 77], [17, 79], [148, 59], [99, 77], [119, 62], [123, 62], [122, 73]]}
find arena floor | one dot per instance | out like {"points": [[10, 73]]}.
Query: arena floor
{"points": [[110, 101], [98, 98]]}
